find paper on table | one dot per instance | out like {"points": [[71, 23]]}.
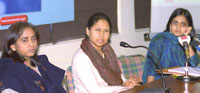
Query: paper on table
{"points": [[181, 70]]}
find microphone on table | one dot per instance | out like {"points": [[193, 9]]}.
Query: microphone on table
{"points": [[185, 41], [163, 89], [196, 45]]}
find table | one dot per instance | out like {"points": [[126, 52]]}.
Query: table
{"points": [[175, 86]]}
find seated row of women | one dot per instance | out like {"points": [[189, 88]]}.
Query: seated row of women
{"points": [[94, 65]]}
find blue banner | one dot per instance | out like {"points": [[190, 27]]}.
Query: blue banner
{"points": [[38, 12]]}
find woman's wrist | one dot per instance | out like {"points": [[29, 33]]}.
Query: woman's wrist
{"points": [[191, 51]]}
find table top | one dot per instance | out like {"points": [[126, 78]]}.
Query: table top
{"points": [[176, 86]]}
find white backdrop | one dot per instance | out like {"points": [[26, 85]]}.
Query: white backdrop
{"points": [[162, 9]]}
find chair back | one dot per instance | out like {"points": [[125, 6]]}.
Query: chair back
{"points": [[131, 65], [70, 81]]}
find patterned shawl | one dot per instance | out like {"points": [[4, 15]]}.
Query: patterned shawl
{"points": [[107, 67]]}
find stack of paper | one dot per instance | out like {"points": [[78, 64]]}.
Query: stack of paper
{"points": [[192, 71]]}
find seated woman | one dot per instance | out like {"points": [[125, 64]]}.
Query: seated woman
{"points": [[94, 65], [21, 70], [166, 47]]}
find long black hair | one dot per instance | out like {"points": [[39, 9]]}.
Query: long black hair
{"points": [[186, 14], [14, 32]]}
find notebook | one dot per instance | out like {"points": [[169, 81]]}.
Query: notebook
{"points": [[192, 71]]}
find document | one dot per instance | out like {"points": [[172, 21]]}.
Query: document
{"points": [[192, 71]]}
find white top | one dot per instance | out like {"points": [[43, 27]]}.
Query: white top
{"points": [[8, 90], [86, 77]]}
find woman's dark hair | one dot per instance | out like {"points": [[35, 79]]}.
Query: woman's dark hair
{"points": [[186, 14], [14, 32], [95, 18]]}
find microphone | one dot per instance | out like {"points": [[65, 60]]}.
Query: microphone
{"points": [[196, 45], [163, 89], [185, 41]]}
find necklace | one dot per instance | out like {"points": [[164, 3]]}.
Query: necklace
{"points": [[103, 56]]}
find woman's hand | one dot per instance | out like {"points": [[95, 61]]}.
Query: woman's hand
{"points": [[191, 51], [188, 30], [132, 82]]}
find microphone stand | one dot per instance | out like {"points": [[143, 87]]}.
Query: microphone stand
{"points": [[163, 89], [186, 78]]}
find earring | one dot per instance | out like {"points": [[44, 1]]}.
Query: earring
{"points": [[13, 49]]}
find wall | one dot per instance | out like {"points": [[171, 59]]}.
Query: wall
{"points": [[60, 54]]}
